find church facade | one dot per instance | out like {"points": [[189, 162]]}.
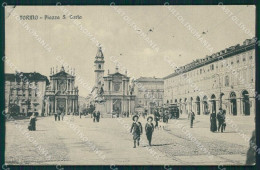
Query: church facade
{"points": [[62, 94], [114, 90]]}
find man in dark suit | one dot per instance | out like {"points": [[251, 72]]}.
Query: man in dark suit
{"points": [[220, 117], [98, 116], [192, 118], [94, 116]]}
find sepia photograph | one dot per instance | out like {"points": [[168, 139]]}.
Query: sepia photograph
{"points": [[130, 85]]}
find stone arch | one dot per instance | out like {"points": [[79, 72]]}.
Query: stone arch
{"points": [[213, 103], [205, 105], [245, 102], [198, 105], [233, 103]]}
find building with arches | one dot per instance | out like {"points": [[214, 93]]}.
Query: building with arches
{"points": [[225, 79]]}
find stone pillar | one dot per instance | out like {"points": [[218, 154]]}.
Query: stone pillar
{"points": [[66, 106], [68, 85], [55, 101], [73, 106], [111, 104]]}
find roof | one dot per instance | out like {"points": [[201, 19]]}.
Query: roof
{"points": [[32, 76], [149, 79], [248, 44]]}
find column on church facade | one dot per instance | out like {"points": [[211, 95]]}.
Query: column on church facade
{"points": [[123, 87], [66, 106], [67, 86], [76, 106], [72, 105], [55, 101]]}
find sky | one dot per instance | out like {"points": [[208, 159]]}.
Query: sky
{"points": [[119, 39]]}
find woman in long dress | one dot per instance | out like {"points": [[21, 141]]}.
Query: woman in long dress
{"points": [[213, 122], [149, 128], [32, 125]]}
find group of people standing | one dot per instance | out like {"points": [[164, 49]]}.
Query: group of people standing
{"points": [[221, 117], [137, 130], [163, 116], [96, 116], [58, 115]]}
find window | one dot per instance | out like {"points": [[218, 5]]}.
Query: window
{"points": [[226, 81], [237, 61], [250, 57], [99, 66], [244, 59]]}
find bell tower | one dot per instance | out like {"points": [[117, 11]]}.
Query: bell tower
{"points": [[99, 67]]}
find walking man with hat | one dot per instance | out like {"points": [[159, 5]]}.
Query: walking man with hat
{"points": [[136, 130]]}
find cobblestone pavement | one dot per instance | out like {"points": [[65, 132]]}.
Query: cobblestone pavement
{"points": [[64, 143]]}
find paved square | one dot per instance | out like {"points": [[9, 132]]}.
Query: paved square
{"points": [[76, 141]]}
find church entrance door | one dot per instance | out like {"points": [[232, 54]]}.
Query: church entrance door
{"points": [[117, 105]]}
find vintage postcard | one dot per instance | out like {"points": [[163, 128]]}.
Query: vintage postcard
{"points": [[130, 85]]}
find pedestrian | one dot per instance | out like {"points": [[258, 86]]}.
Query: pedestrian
{"points": [[55, 116], [149, 128], [127, 114], [213, 122], [224, 120], [59, 113], [136, 130], [32, 124], [94, 116], [62, 115], [251, 153], [192, 118], [220, 117], [156, 118], [98, 116]]}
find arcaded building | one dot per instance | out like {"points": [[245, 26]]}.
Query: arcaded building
{"points": [[225, 79]]}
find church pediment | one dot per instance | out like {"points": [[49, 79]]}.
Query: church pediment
{"points": [[62, 74], [117, 75]]}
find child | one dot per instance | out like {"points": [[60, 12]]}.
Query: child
{"points": [[136, 130], [149, 128]]}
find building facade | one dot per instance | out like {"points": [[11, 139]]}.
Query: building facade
{"points": [[25, 91], [225, 79], [112, 89], [149, 94], [62, 94]]}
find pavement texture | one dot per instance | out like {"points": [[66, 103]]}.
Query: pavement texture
{"points": [[80, 141]]}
